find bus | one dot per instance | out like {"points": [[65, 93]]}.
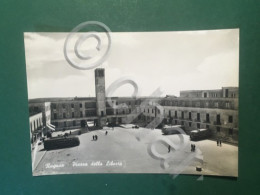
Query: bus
{"points": [[199, 134], [61, 142], [172, 129]]}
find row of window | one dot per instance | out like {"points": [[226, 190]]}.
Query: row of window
{"points": [[87, 105], [230, 131], [148, 110], [92, 113], [129, 103], [92, 104], [198, 118], [215, 95], [65, 124], [196, 104], [164, 103], [206, 94], [65, 115], [110, 112], [125, 111], [233, 95], [37, 109]]}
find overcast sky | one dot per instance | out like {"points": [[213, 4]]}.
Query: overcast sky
{"points": [[174, 61]]}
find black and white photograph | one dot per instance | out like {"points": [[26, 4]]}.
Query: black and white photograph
{"points": [[133, 102]]}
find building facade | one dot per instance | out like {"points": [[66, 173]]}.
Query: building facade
{"points": [[36, 127], [36, 106], [216, 110], [39, 119]]}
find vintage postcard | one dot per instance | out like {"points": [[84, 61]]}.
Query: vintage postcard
{"points": [[133, 102]]}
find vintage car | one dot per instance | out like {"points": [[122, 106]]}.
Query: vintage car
{"points": [[199, 134], [172, 129], [61, 142]]}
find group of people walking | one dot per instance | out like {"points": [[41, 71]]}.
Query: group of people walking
{"points": [[95, 137], [219, 142], [193, 147]]}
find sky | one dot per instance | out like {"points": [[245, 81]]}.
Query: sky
{"points": [[173, 61]]}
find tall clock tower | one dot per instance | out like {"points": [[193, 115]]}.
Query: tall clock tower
{"points": [[100, 96]]}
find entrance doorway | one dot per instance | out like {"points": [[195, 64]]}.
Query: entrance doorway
{"points": [[218, 119], [83, 123]]}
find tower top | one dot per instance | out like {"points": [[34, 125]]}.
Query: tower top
{"points": [[99, 72]]}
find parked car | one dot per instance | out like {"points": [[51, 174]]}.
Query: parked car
{"points": [[172, 129], [61, 142], [199, 134]]}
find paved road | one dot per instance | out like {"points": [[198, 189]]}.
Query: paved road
{"points": [[124, 150]]}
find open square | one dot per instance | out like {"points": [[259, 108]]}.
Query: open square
{"points": [[169, 109], [121, 144]]}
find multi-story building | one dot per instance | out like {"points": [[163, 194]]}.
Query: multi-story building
{"points": [[216, 110], [37, 105], [36, 126], [40, 119]]}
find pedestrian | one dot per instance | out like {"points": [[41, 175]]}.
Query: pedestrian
{"points": [[106, 132], [169, 149], [191, 147], [194, 148], [217, 142], [96, 137], [93, 137], [220, 143]]}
